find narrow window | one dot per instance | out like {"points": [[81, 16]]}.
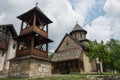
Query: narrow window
{"points": [[14, 45], [67, 43], [4, 29], [80, 35], [75, 35]]}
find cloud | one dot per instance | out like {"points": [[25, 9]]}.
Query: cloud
{"points": [[82, 8], [99, 29], [112, 8], [107, 26], [1, 18]]}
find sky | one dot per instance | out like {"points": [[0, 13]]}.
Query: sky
{"points": [[100, 18]]}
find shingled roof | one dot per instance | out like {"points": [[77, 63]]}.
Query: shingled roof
{"points": [[78, 28], [35, 11], [67, 55], [11, 28]]}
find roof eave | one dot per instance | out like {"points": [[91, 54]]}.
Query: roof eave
{"points": [[78, 30]]}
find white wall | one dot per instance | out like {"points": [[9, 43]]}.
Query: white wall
{"points": [[2, 59], [10, 53], [4, 63]]}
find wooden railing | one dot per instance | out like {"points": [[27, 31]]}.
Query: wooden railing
{"points": [[33, 51], [40, 53], [23, 52], [35, 29]]}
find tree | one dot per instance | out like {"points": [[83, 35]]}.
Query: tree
{"points": [[50, 55], [114, 55], [96, 51]]}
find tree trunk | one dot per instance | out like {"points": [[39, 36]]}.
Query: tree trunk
{"points": [[96, 66], [112, 64], [100, 66]]}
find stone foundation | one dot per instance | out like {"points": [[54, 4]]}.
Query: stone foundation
{"points": [[29, 68]]}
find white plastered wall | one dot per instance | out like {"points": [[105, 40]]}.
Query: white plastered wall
{"points": [[10, 53], [2, 59]]}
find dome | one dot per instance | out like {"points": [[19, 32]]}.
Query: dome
{"points": [[78, 28]]}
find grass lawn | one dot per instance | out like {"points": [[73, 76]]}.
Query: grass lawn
{"points": [[68, 77], [61, 77]]}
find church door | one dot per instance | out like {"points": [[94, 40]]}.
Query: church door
{"points": [[64, 68]]}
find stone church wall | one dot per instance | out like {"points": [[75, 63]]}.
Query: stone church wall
{"points": [[68, 44], [87, 64]]}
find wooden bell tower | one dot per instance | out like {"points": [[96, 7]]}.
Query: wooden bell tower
{"points": [[33, 38], [31, 59]]}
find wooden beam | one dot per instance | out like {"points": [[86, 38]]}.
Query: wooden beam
{"points": [[34, 20], [79, 64], [30, 19], [32, 42], [47, 36], [18, 46], [47, 29], [46, 47], [21, 26], [40, 47], [39, 22]]}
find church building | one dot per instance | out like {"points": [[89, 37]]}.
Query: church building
{"points": [[70, 56]]}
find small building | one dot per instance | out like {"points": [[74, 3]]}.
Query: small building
{"points": [[8, 46], [70, 56], [31, 60]]}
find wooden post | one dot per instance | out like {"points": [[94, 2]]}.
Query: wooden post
{"points": [[21, 27], [32, 43], [79, 65], [34, 20], [18, 45], [47, 29], [47, 36], [46, 47]]}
